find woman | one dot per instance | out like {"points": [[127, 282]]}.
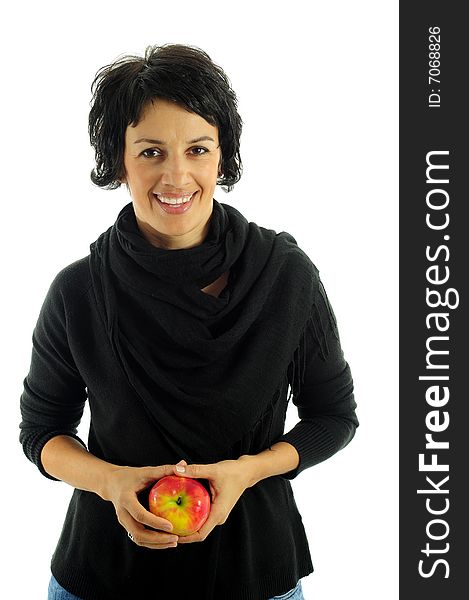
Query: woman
{"points": [[188, 330]]}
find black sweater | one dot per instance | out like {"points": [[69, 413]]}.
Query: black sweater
{"points": [[262, 548]]}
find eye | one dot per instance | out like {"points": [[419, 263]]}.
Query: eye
{"points": [[150, 153], [204, 150]]}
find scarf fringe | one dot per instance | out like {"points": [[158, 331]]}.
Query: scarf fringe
{"points": [[314, 335]]}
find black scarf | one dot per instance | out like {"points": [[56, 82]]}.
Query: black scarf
{"points": [[206, 368]]}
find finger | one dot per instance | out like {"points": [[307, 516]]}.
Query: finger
{"points": [[195, 471], [149, 538], [150, 474], [152, 545], [199, 536], [139, 513], [145, 537]]}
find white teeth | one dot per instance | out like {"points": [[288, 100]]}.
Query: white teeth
{"points": [[181, 200]]}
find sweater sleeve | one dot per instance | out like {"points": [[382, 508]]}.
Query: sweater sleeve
{"points": [[322, 390], [54, 393]]}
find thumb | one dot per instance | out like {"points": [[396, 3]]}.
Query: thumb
{"points": [[185, 470]]}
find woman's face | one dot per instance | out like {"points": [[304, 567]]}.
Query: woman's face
{"points": [[172, 154]]}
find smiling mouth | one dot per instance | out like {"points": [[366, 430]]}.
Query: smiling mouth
{"points": [[175, 206], [174, 199]]}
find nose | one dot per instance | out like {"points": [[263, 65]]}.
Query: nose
{"points": [[175, 172]]}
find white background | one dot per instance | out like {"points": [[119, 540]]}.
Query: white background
{"points": [[317, 89]]}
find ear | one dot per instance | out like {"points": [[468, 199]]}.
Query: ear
{"points": [[123, 181], [122, 176]]}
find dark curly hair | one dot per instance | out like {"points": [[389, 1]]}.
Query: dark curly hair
{"points": [[183, 74]]}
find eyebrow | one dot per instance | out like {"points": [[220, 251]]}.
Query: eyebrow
{"points": [[151, 141]]}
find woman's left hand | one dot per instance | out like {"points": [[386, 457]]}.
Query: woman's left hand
{"points": [[228, 479]]}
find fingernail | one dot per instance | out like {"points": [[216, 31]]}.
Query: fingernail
{"points": [[180, 468]]}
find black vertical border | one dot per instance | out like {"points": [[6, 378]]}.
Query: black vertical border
{"points": [[423, 129]]}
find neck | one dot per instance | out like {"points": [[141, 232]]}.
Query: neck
{"points": [[189, 239]]}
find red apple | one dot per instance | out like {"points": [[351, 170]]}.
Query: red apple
{"points": [[181, 500]]}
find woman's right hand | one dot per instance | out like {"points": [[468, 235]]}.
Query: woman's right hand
{"points": [[121, 488], [66, 459]]}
